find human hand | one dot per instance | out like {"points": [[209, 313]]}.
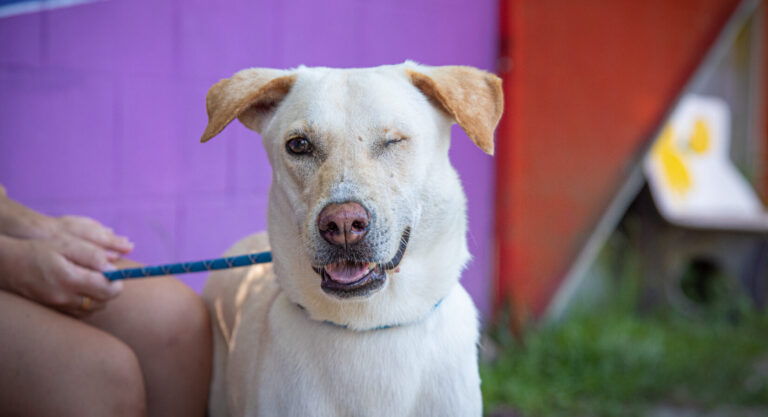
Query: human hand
{"points": [[91, 231], [57, 261], [22, 222], [19, 221], [58, 273]]}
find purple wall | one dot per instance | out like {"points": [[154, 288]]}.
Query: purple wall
{"points": [[103, 105]]}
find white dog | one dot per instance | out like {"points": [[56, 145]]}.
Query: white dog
{"points": [[361, 312]]}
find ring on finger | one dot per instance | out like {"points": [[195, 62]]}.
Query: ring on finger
{"points": [[85, 303]]}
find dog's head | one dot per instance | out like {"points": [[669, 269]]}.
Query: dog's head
{"points": [[366, 214]]}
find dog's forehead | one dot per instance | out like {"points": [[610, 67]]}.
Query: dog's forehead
{"points": [[363, 98]]}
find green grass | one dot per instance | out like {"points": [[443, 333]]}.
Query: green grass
{"points": [[613, 362]]}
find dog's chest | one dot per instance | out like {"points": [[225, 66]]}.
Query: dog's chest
{"points": [[311, 368]]}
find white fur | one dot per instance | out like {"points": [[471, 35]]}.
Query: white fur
{"points": [[275, 358]]}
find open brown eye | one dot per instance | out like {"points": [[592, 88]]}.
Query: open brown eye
{"points": [[299, 146]]}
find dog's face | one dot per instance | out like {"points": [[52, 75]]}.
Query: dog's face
{"points": [[366, 214]]}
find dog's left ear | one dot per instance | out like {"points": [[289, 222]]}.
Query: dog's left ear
{"points": [[472, 97], [251, 95]]}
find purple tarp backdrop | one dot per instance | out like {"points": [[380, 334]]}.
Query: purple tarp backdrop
{"points": [[103, 105]]}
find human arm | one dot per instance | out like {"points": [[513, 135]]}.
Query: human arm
{"points": [[19, 221]]}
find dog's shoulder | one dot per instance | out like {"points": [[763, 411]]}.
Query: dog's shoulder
{"points": [[224, 283], [257, 242], [226, 291]]}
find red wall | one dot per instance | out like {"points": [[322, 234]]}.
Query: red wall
{"points": [[586, 84]]}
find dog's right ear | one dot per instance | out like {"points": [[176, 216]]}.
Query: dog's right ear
{"points": [[251, 95]]}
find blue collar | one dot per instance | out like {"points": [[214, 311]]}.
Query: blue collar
{"points": [[383, 327]]}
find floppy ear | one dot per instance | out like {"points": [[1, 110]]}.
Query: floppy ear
{"points": [[251, 95], [472, 97]]}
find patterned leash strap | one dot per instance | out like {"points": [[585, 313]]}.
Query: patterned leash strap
{"points": [[187, 267]]}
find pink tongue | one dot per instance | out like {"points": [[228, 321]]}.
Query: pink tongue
{"points": [[346, 273]]}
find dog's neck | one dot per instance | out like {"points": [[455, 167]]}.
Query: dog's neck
{"points": [[381, 327]]}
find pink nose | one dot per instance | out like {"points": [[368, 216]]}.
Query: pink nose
{"points": [[343, 224]]}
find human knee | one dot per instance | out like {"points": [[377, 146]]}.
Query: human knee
{"points": [[119, 387], [180, 317]]}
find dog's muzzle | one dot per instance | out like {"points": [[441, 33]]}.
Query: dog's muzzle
{"points": [[348, 278]]}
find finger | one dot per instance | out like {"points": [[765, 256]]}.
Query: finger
{"points": [[113, 256], [94, 284], [83, 271], [80, 311], [70, 302], [95, 232], [125, 263], [85, 254]]}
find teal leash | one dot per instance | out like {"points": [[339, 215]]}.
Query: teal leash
{"points": [[188, 267]]}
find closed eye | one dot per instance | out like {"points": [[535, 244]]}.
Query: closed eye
{"points": [[393, 141]]}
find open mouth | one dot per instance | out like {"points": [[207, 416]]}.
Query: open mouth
{"points": [[347, 278]]}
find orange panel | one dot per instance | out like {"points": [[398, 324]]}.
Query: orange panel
{"points": [[586, 83], [764, 120]]}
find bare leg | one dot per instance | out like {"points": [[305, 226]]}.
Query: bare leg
{"points": [[166, 324], [55, 365]]}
